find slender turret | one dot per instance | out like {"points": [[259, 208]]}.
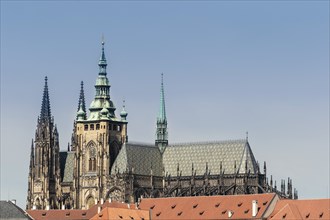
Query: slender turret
{"points": [[81, 101], [161, 131]]}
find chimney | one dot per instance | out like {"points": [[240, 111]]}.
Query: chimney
{"points": [[230, 214], [128, 206], [95, 201], [34, 207], [109, 200], [63, 207], [98, 209], [13, 201], [102, 201], [47, 207], [254, 208]]}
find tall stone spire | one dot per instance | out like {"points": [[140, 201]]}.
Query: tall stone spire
{"points": [[161, 131], [44, 175], [45, 114]]}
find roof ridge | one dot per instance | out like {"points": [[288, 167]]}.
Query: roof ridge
{"points": [[138, 143], [210, 142]]}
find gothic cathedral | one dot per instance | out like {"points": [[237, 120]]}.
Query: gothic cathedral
{"points": [[101, 164]]}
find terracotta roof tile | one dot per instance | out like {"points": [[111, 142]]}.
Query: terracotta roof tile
{"points": [[75, 214], [302, 209], [206, 207], [121, 213]]}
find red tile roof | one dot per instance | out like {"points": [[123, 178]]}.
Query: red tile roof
{"points": [[207, 207], [76, 214], [122, 214], [301, 209]]}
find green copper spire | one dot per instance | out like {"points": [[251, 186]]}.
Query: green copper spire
{"points": [[103, 62], [161, 131], [81, 114], [162, 113], [102, 96], [123, 113]]}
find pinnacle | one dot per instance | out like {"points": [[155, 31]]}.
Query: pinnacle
{"points": [[45, 114]]}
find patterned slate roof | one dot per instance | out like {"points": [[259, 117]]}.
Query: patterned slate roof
{"points": [[142, 157], [139, 156], [67, 166], [8, 210], [213, 153]]}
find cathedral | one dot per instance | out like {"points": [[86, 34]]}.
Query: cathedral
{"points": [[100, 163]]}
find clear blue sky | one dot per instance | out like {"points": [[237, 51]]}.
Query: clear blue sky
{"points": [[230, 67]]}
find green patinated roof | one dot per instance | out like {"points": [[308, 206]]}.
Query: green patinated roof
{"points": [[139, 156], [102, 95], [67, 166]]}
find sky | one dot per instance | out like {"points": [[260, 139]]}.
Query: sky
{"points": [[230, 67]]}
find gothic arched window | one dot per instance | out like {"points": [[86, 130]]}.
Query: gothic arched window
{"points": [[92, 159]]}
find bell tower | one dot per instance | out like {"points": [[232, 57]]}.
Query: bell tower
{"points": [[98, 140]]}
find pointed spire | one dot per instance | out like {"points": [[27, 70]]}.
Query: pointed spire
{"points": [[103, 62], [123, 113], [45, 114], [81, 101], [162, 113], [161, 131], [102, 89]]}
